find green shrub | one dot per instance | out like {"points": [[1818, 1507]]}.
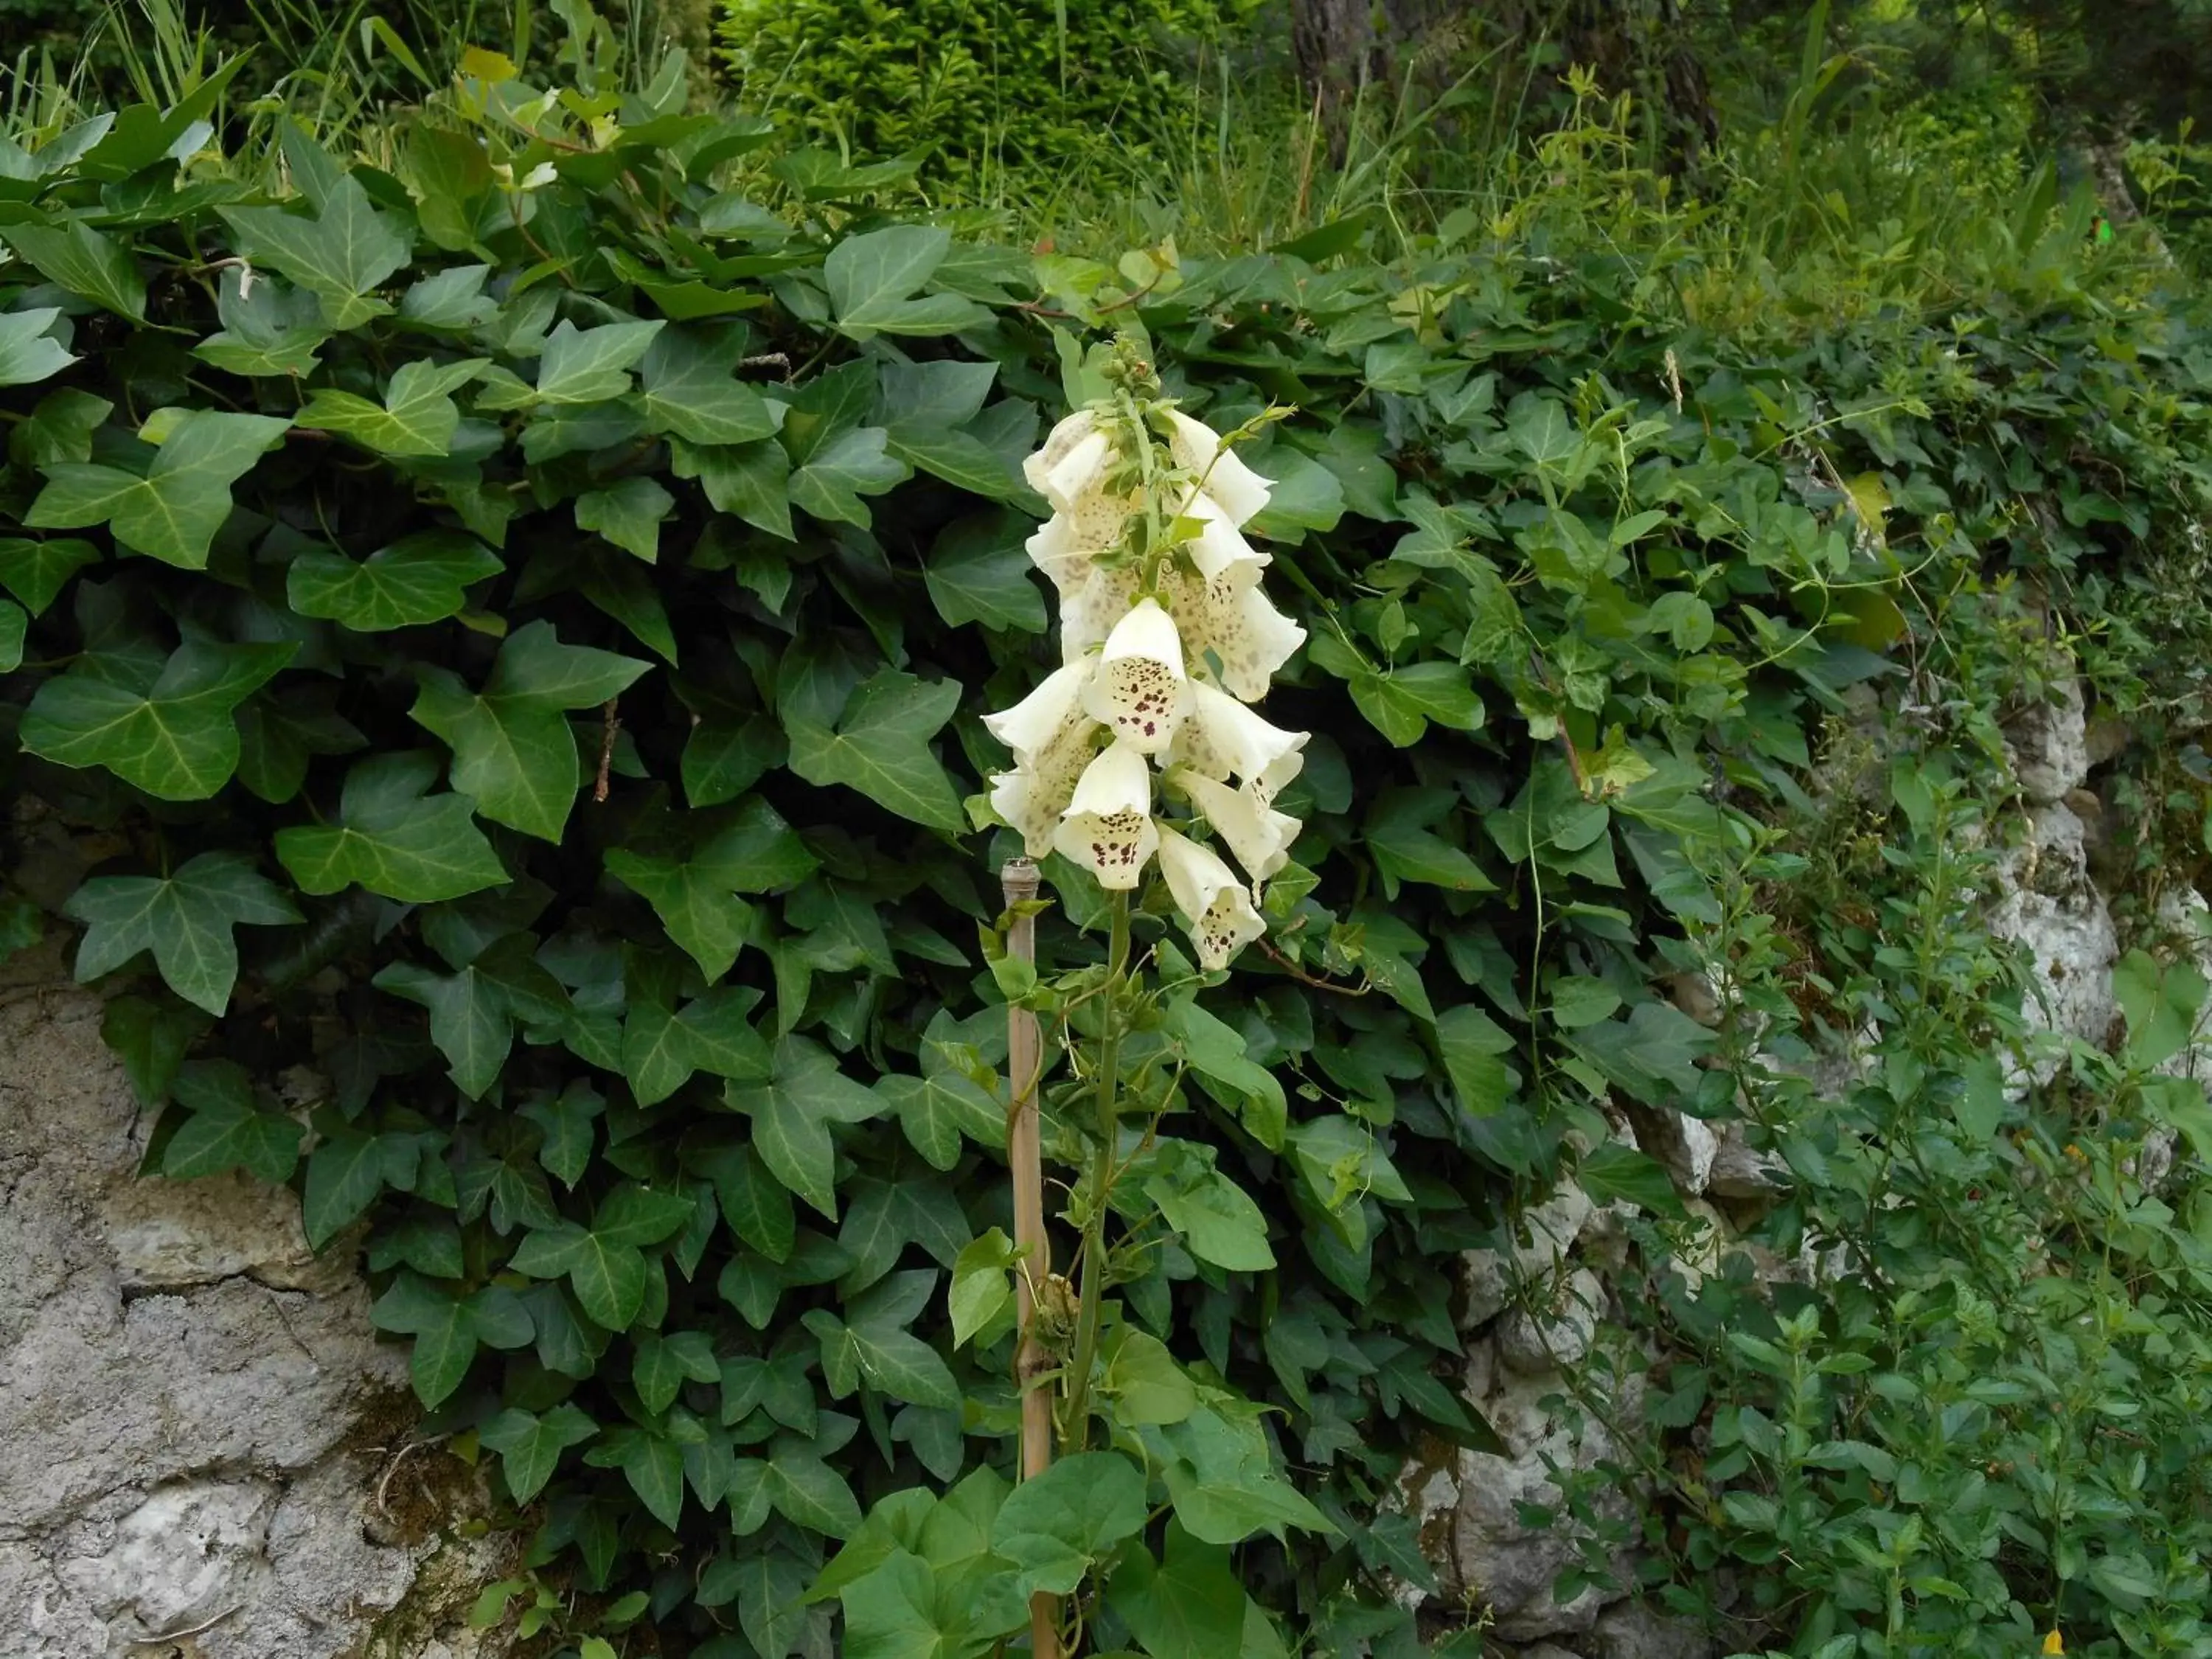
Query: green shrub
{"points": [[970, 81], [518, 618]]}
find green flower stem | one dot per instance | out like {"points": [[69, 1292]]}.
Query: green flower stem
{"points": [[1075, 1425]]}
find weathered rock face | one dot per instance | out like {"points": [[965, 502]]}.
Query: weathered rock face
{"points": [[194, 1414]]}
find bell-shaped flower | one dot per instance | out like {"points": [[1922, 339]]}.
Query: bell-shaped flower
{"points": [[1251, 641], [1258, 835], [1077, 456], [1221, 738], [1088, 615], [1053, 739], [1108, 828], [1216, 910], [1194, 445], [1140, 690]]}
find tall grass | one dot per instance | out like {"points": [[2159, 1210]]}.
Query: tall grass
{"points": [[1820, 205]]}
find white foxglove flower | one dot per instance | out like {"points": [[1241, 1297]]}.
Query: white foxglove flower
{"points": [[1140, 690], [1193, 445], [1216, 910], [1253, 643], [1088, 615], [1221, 739], [1258, 835], [1108, 827], [1052, 739], [1073, 464]]}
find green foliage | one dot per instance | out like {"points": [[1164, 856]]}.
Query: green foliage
{"points": [[638, 899], [1009, 81]]}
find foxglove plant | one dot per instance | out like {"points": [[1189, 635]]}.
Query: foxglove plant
{"points": [[1166, 637]]}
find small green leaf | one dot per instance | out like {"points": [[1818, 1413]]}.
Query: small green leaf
{"points": [[391, 840], [418, 416], [588, 366], [344, 1175], [185, 920], [35, 572], [628, 513], [530, 1445], [792, 1113], [422, 577], [513, 752], [29, 351]]}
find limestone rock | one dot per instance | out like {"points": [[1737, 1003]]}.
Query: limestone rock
{"points": [[1532, 1343], [1741, 1171], [1686, 1146], [2049, 745], [194, 1410], [1635, 1629], [1488, 1556], [1551, 1228], [2047, 904]]}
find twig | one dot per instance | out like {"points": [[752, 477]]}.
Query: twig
{"points": [[179, 1635], [384, 1484], [1305, 978], [611, 723]]}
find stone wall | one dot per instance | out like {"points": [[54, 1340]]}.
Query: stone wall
{"points": [[201, 1437], [2051, 903]]}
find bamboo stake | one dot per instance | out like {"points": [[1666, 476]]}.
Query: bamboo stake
{"points": [[1018, 880]]}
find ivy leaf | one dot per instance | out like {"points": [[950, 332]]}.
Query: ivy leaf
{"points": [[690, 390], [1055, 1525], [173, 512], [530, 1445], [344, 1175], [513, 752], [870, 276], [978, 572], [392, 841], [940, 1109], [697, 898], [446, 1328], [881, 748], [418, 416], [750, 480], [792, 1113], [590, 365], [607, 1275], [474, 1009], [345, 249], [185, 920], [29, 352], [661, 1364], [661, 1048], [418, 579], [565, 1120], [226, 1130], [654, 1467], [757, 1208], [76, 257], [14, 625], [60, 429], [851, 464], [871, 1340], [628, 514], [1400, 704], [269, 328], [35, 572]]}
